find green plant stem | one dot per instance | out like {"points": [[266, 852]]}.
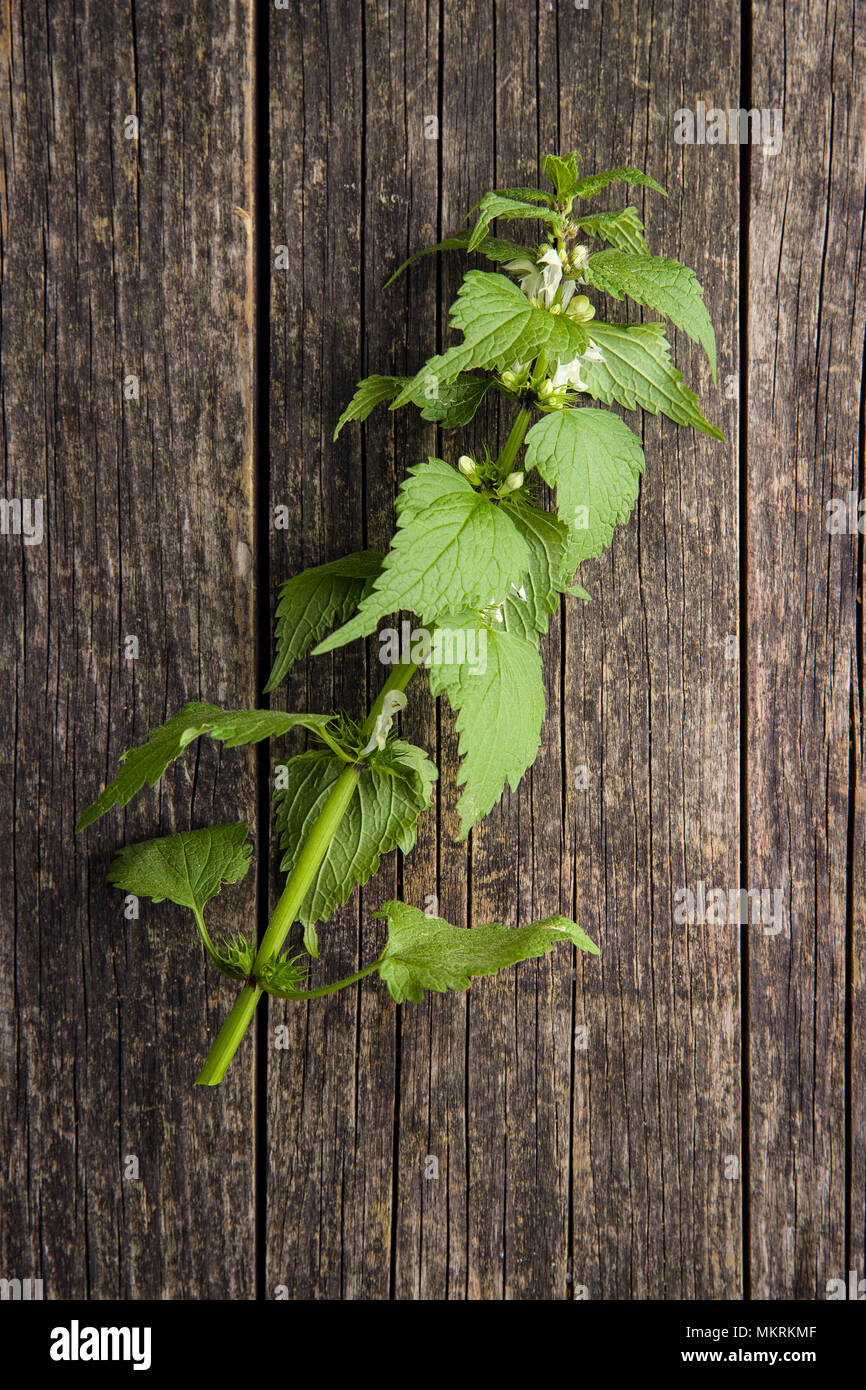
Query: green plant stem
{"points": [[229, 1037], [508, 453], [285, 913], [205, 937], [338, 984]]}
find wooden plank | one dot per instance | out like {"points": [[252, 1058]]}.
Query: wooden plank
{"points": [[402, 50], [651, 709], [518, 1023], [805, 360], [317, 1159], [122, 257]]}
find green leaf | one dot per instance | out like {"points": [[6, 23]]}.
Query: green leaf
{"points": [[500, 710], [454, 548], [148, 762], [588, 187], [428, 953], [448, 403], [382, 815], [313, 602], [637, 371], [624, 230], [563, 173], [457, 401], [368, 394], [527, 608], [664, 285], [494, 248], [494, 205], [500, 327], [187, 868], [531, 195], [594, 461]]}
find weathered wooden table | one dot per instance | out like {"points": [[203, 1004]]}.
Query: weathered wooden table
{"points": [[684, 1117]]}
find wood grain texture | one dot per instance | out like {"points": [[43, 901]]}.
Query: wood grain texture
{"points": [[651, 707], [806, 324], [681, 1117], [320, 1171], [122, 257]]}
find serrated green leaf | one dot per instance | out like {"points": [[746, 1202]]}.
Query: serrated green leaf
{"points": [[457, 401], [369, 393], [563, 173], [594, 461], [500, 710], [429, 480], [429, 953], [454, 548], [494, 205], [531, 195], [381, 816], [448, 403], [527, 607], [637, 371], [311, 604], [494, 248], [588, 187], [624, 230], [500, 327], [187, 868], [148, 762], [662, 284]]}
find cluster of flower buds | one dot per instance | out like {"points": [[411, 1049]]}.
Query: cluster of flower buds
{"points": [[479, 473], [518, 377], [574, 260], [552, 396]]}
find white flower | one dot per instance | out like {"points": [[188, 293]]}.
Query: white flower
{"points": [[493, 612], [551, 275], [567, 374], [393, 702], [531, 278]]}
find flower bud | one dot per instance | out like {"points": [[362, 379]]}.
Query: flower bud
{"points": [[512, 482], [468, 469], [545, 388], [580, 309]]}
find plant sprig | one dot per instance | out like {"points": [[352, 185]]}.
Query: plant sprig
{"points": [[479, 562]]}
